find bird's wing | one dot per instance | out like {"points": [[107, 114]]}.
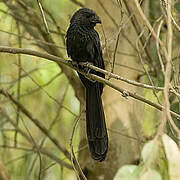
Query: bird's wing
{"points": [[94, 51]]}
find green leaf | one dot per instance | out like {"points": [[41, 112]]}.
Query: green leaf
{"points": [[151, 174], [173, 157], [126, 173], [149, 152]]}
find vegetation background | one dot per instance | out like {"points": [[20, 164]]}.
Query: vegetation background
{"points": [[42, 115]]}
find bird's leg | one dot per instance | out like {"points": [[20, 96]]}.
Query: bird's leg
{"points": [[85, 67]]}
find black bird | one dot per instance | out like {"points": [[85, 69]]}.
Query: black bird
{"points": [[83, 45]]}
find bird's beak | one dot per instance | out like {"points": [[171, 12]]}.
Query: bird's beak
{"points": [[96, 19]]}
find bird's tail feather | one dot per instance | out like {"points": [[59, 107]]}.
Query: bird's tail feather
{"points": [[95, 121]]}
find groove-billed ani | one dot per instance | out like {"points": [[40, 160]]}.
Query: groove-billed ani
{"points": [[83, 45]]}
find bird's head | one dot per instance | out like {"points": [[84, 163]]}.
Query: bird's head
{"points": [[85, 17]]}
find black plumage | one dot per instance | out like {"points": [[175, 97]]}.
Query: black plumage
{"points": [[83, 45]]}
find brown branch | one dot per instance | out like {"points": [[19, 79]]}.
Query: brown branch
{"points": [[126, 93], [94, 77], [68, 63], [135, 83]]}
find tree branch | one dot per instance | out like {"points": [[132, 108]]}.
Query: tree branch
{"points": [[91, 76]]}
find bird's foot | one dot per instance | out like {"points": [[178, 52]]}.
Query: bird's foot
{"points": [[125, 94], [86, 66]]}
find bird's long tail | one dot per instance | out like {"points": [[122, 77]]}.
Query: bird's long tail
{"points": [[95, 122]]}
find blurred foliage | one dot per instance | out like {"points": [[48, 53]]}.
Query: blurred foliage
{"points": [[47, 94], [152, 155]]}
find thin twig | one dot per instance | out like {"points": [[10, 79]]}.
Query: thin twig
{"points": [[32, 39], [19, 82], [143, 64], [49, 129], [22, 76], [43, 16], [43, 151], [37, 123], [125, 135], [108, 14], [157, 46], [75, 163], [151, 29], [43, 85], [137, 26]]}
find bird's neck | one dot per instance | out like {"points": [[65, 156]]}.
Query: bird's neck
{"points": [[83, 26]]}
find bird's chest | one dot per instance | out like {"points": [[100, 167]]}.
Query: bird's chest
{"points": [[79, 44]]}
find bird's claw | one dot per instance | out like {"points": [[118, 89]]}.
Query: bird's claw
{"points": [[125, 94], [85, 66]]}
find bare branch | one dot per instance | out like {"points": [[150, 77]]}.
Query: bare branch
{"points": [[91, 76]]}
